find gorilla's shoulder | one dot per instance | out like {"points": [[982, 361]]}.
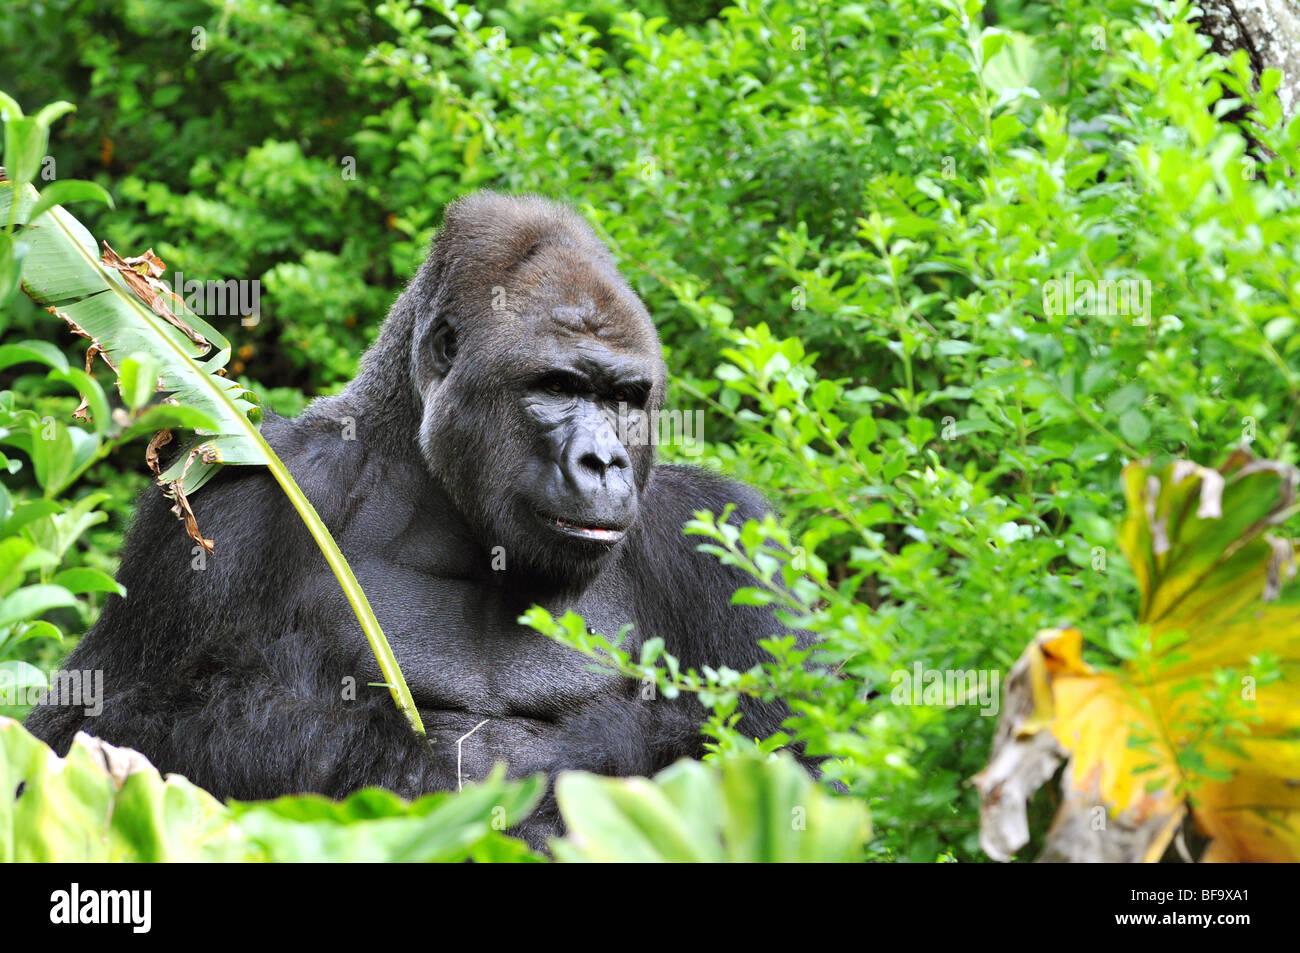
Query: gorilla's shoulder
{"points": [[675, 493], [320, 452], [316, 437], [327, 448], [681, 489], [691, 590]]}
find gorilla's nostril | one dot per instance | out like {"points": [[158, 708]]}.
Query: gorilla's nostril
{"points": [[597, 462]]}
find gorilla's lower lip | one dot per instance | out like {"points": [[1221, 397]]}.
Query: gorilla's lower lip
{"points": [[599, 534]]}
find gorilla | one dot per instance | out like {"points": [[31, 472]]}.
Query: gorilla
{"points": [[472, 469]]}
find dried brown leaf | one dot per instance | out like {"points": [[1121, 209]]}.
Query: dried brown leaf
{"points": [[160, 439], [142, 274], [182, 510]]}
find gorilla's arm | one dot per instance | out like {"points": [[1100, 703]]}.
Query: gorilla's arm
{"points": [[216, 668], [257, 724], [685, 596], [704, 627]]}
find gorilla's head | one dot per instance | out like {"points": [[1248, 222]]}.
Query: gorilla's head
{"points": [[534, 367]]}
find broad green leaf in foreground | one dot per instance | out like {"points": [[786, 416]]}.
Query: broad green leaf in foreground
{"points": [[103, 803], [377, 826], [1205, 721], [744, 808]]}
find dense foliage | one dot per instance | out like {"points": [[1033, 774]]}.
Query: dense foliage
{"points": [[856, 226]]}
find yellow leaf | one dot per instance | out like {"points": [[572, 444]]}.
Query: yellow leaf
{"points": [[1187, 727]]}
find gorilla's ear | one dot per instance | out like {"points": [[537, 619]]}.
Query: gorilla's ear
{"points": [[433, 353], [442, 346]]}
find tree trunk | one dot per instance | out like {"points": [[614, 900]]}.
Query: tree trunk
{"points": [[1269, 32]]}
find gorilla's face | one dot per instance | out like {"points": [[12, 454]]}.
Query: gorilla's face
{"points": [[537, 416], [584, 405]]}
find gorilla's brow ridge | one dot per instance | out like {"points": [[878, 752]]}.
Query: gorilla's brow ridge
{"points": [[577, 317]]}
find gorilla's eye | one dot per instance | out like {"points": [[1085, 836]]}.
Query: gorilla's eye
{"points": [[562, 385], [634, 395]]}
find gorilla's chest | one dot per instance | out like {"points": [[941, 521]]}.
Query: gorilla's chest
{"points": [[462, 651]]}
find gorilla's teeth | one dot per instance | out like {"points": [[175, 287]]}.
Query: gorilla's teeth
{"points": [[594, 532]]}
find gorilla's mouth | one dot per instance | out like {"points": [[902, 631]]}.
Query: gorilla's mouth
{"points": [[597, 534]]}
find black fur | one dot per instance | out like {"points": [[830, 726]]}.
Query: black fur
{"points": [[235, 675]]}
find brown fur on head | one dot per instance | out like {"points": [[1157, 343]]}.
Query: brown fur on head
{"points": [[518, 268]]}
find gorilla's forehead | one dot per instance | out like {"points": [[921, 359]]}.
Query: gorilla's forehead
{"points": [[582, 321], [591, 355], [580, 317]]}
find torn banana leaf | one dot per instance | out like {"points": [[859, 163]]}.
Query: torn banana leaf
{"points": [[1205, 724], [122, 307]]}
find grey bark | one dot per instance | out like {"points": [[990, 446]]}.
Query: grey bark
{"points": [[1269, 32]]}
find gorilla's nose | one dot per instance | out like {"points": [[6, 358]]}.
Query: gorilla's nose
{"points": [[602, 470], [599, 473], [599, 461]]}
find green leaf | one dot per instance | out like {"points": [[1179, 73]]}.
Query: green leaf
{"points": [[25, 143], [12, 254], [138, 380], [1015, 66], [63, 269], [31, 601], [91, 392], [40, 629], [378, 826], [42, 352], [102, 803], [19, 676], [752, 596], [84, 579], [69, 190], [1134, 426], [53, 455], [863, 432], [13, 555], [743, 808], [29, 511], [170, 416], [1279, 329], [47, 115], [991, 42]]}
